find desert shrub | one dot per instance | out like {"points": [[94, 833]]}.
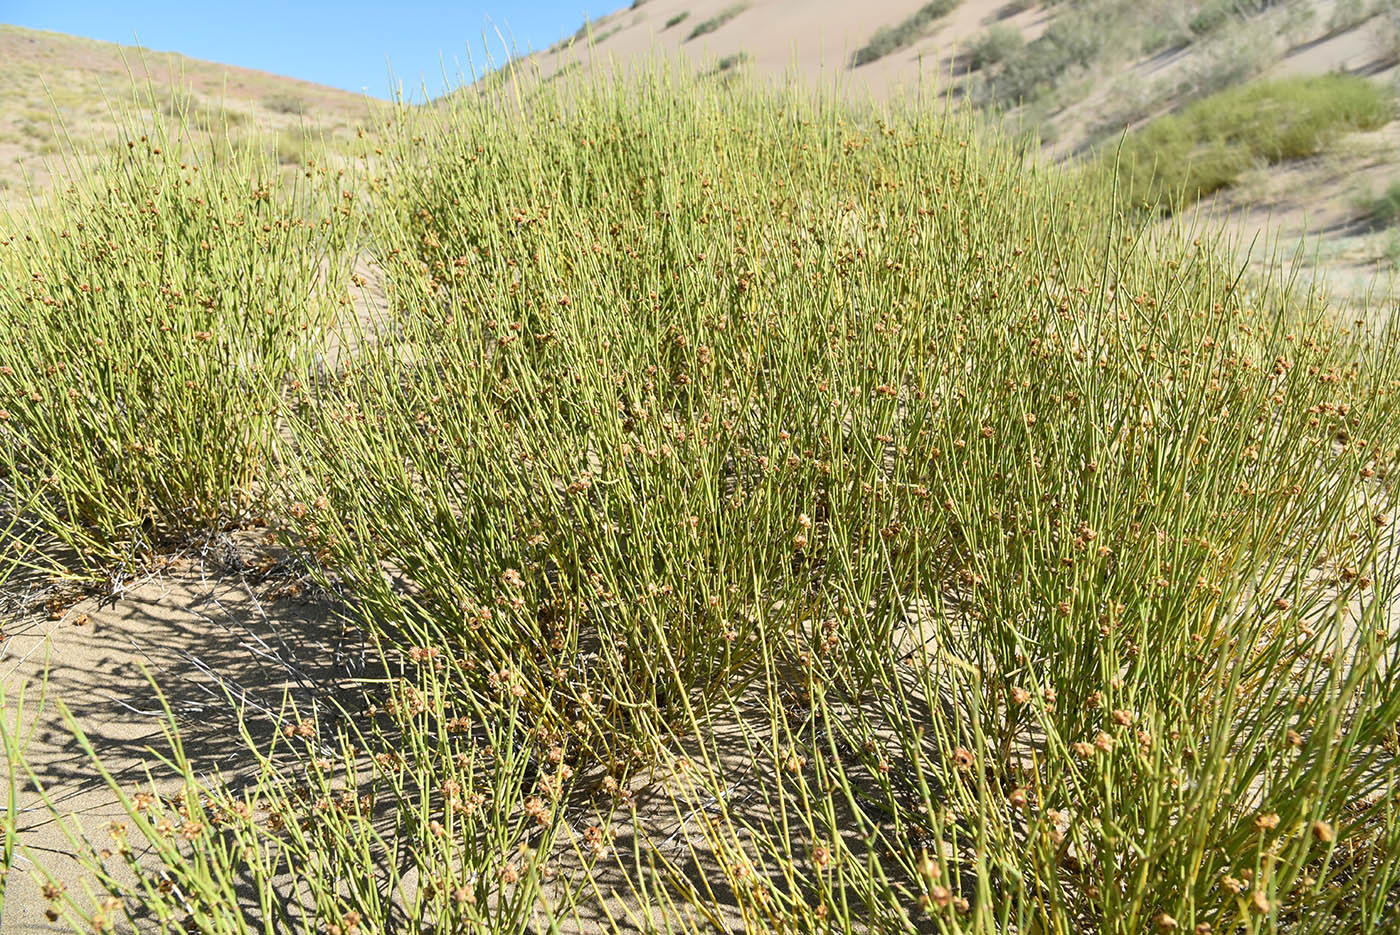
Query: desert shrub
{"points": [[677, 19], [1385, 33], [38, 131], [184, 107], [1299, 21], [889, 39], [1217, 13], [582, 32], [954, 554], [1228, 58], [1347, 14], [1127, 102], [710, 25], [285, 102], [1087, 33], [1211, 16], [1390, 248], [730, 62], [1163, 27], [1182, 157], [1072, 39], [565, 70], [993, 45], [292, 147], [163, 298], [1164, 36], [1384, 209], [589, 31]]}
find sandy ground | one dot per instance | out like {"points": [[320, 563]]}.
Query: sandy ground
{"points": [[1314, 209], [226, 621]]}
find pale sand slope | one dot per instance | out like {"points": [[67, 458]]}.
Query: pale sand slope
{"points": [[814, 39]]}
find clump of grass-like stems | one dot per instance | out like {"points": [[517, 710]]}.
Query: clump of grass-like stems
{"points": [[151, 312], [938, 549]]}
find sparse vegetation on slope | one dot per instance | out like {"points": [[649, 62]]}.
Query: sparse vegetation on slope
{"points": [[1073, 39], [889, 39], [730, 62], [1384, 209], [78, 82], [772, 517], [1215, 14], [996, 44], [284, 103], [712, 24], [1182, 157]]}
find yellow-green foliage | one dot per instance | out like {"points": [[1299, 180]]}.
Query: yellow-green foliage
{"points": [[151, 313], [960, 557], [1180, 158]]}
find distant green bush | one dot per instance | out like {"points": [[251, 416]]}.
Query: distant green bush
{"points": [[888, 39], [1165, 28], [1385, 210], [1158, 39], [1211, 16], [290, 147], [285, 103], [1346, 14], [1231, 57], [994, 45], [201, 115], [677, 19], [564, 71], [607, 34], [716, 21], [730, 62], [1181, 158], [1072, 38]]}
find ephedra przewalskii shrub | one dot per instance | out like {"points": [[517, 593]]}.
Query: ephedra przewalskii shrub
{"points": [[995, 567], [689, 388], [148, 314]]}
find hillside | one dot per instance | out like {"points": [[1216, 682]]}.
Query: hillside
{"points": [[52, 84], [1072, 75], [1069, 75]]}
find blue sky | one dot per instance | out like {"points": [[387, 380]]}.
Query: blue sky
{"points": [[350, 44]]}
